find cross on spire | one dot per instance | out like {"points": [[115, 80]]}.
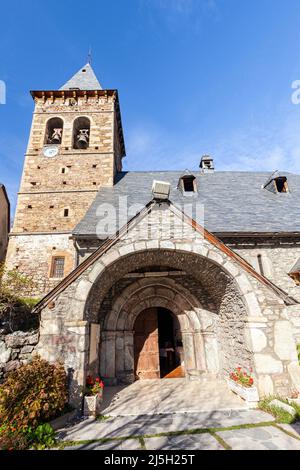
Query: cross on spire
{"points": [[90, 56]]}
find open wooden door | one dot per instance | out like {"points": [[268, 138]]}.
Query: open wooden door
{"points": [[146, 351]]}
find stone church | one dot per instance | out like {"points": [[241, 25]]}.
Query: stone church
{"points": [[153, 274]]}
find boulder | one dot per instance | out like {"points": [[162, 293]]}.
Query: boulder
{"points": [[5, 353], [284, 406]]}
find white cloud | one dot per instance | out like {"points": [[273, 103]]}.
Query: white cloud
{"points": [[176, 13], [251, 148]]}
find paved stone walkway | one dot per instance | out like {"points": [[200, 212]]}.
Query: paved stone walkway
{"points": [[174, 414], [249, 429]]}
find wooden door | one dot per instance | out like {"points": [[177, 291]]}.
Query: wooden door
{"points": [[146, 351]]}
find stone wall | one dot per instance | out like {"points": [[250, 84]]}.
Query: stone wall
{"points": [[16, 349], [32, 255], [278, 260]]}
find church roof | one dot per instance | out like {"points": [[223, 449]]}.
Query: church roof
{"points": [[233, 202], [84, 79]]}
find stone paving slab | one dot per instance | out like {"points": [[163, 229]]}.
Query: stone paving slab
{"points": [[88, 429], [264, 438], [187, 442], [292, 428]]}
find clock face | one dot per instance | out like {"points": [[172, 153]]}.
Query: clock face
{"points": [[50, 152]]}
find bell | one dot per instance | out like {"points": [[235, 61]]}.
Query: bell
{"points": [[83, 138], [56, 136]]}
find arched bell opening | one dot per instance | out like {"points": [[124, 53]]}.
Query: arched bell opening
{"points": [[81, 133], [54, 131]]}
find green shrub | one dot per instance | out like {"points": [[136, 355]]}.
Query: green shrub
{"points": [[281, 415], [42, 437], [33, 394], [298, 352]]}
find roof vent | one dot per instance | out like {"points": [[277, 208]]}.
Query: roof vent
{"points": [[277, 183], [207, 164], [161, 190], [187, 183]]}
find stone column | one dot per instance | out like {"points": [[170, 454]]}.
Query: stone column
{"points": [[200, 354], [108, 356], [94, 349], [129, 356], [211, 351], [189, 354]]}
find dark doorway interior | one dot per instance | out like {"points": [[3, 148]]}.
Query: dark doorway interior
{"points": [[170, 344]]}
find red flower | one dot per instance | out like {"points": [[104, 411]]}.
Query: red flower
{"points": [[90, 380]]}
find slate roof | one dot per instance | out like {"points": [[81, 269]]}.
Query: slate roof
{"points": [[233, 201], [84, 79]]}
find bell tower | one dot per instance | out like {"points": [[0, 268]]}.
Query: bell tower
{"points": [[76, 146]]}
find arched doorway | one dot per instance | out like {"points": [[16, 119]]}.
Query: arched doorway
{"points": [[158, 347]]}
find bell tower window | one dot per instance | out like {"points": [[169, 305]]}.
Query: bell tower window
{"points": [[81, 133], [54, 131]]}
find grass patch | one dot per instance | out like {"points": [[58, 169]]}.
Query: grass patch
{"points": [[221, 441], [298, 352], [103, 418], [281, 416]]}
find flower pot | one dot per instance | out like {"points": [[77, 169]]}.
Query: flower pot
{"points": [[249, 394], [91, 405]]}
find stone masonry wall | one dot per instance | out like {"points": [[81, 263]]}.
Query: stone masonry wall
{"points": [[32, 255], [277, 260], [16, 349]]}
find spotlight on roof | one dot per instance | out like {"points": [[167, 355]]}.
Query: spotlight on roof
{"points": [[161, 190]]}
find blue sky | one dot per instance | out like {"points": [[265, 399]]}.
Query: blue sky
{"points": [[194, 77]]}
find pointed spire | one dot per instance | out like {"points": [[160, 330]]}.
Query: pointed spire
{"points": [[84, 79]]}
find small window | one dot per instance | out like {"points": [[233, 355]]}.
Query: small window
{"points": [[51, 207], [281, 184], [29, 206], [63, 170], [66, 212], [58, 267], [94, 166], [64, 182]]}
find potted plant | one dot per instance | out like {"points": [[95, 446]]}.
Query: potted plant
{"points": [[93, 396], [242, 383]]}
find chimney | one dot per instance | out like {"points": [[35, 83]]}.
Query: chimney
{"points": [[207, 164]]}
